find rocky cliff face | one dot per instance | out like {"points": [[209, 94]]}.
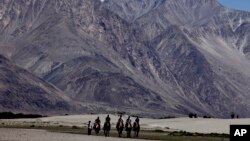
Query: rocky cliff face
{"points": [[162, 57]]}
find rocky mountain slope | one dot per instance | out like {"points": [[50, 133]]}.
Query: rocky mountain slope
{"points": [[161, 57], [24, 92]]}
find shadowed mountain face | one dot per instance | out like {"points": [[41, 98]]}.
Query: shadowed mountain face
{"points": [[159, 57], [24, 92]]}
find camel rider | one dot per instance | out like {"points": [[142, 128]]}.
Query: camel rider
{"points": [[98, 121], [128, 120], [120, 119], [137, 120], [108, 119], [119, 123]]}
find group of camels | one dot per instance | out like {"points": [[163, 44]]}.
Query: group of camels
{"points": [[119, 126]]}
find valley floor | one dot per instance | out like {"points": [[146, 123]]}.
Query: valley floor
{"points": [[199, 125], [73, 127], [10, 134]]}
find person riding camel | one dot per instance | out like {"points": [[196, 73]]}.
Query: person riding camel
{"points": [[128, 127], [119, 122], [107, 126], [128, 120], [98, 121], [120, 126], [120, 119], [136, 127], [97, 125], [137, 120], [108, 119]]}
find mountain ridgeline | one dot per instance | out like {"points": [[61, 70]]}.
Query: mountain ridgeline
{"points": [[148, 57]]}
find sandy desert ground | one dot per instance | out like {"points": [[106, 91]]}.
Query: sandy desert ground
{"points": [[198, 125], [42, 135]]}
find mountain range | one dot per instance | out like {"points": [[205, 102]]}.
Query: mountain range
{"points": [[149, 57]]}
